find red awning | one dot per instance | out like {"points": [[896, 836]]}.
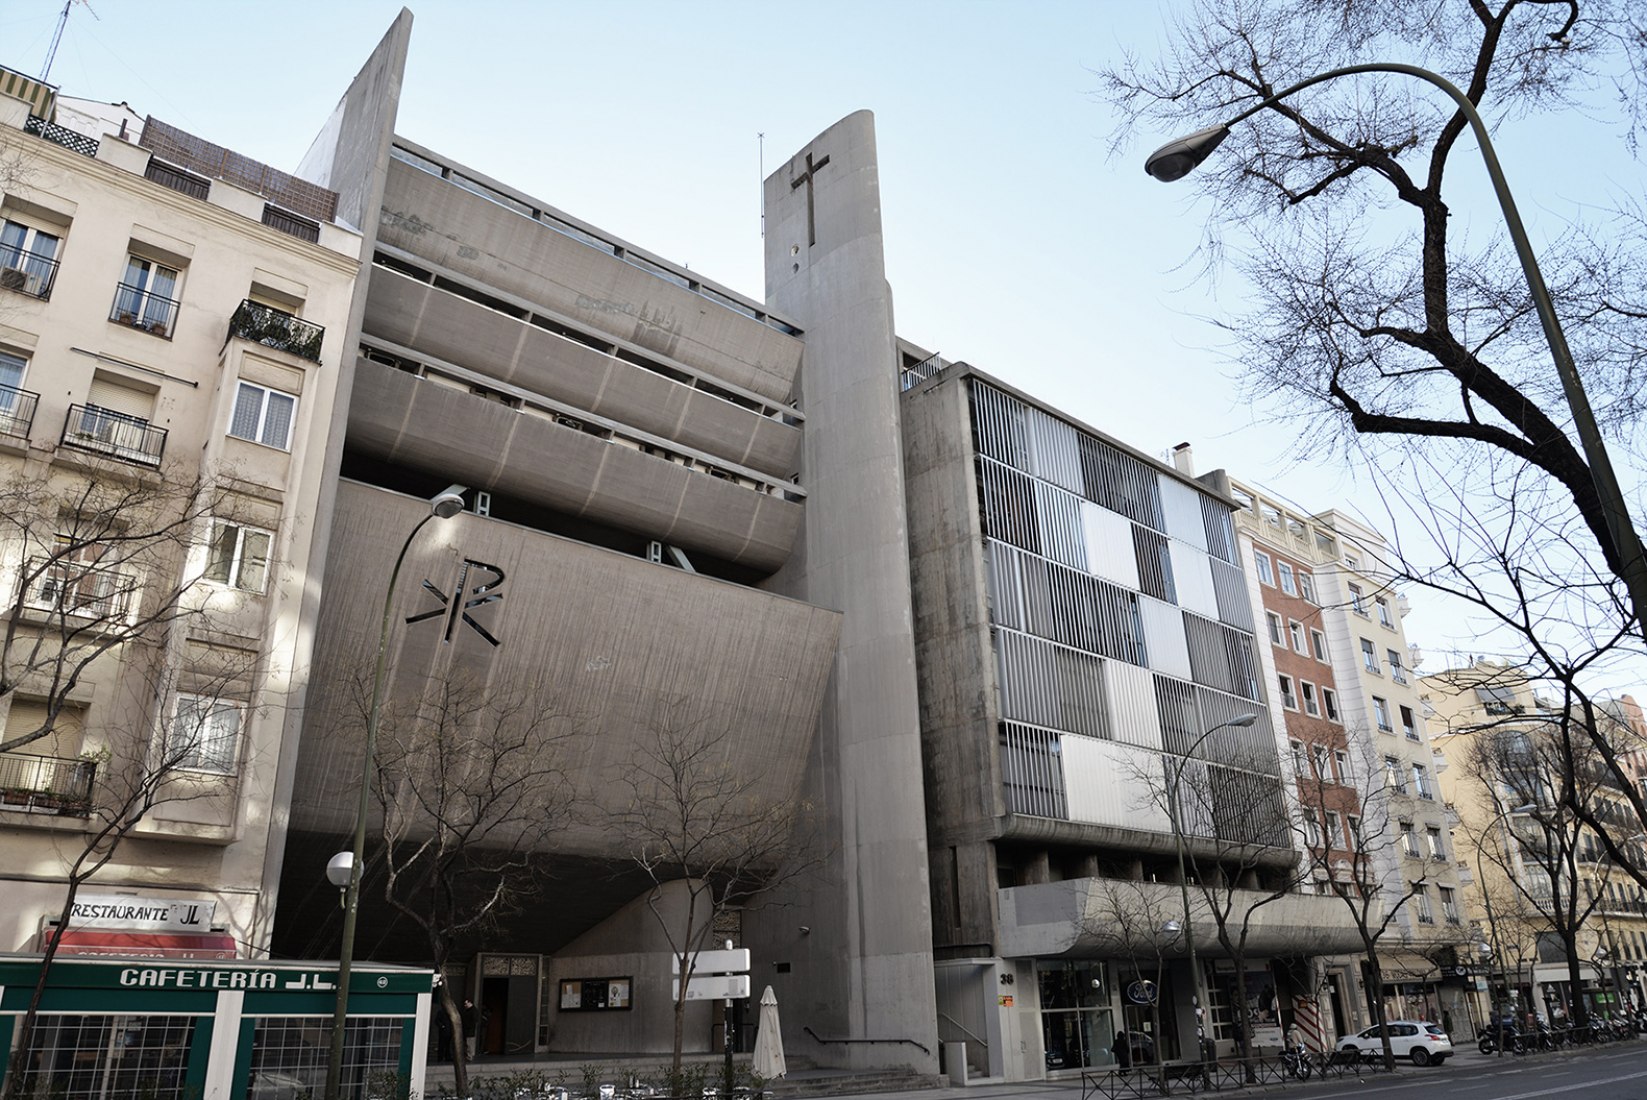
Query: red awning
{"points": [[146, 945]]}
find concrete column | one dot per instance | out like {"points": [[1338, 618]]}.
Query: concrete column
{"points": [[869, 965]]}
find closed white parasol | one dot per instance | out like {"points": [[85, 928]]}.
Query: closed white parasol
{"points": [[768, 1061]]}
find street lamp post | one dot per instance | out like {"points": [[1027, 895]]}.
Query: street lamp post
{"points": [[1198, 993], [1177, 159], [443, 505]]}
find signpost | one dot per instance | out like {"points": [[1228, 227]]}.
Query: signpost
{"points": [[712, 974]]}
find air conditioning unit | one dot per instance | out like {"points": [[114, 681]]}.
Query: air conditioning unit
{"points": [[13, 279]]}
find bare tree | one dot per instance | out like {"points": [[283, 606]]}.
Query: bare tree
{"points": [[1142, 923], [1237, 840], [122, 785], [1348, 856], [1409, 338], [472, 789], [700, 817]]}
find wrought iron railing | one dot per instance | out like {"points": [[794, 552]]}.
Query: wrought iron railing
{"points": [[169, 175], [91, 428], [46, 784], [290, 224], [144, 310], [17, 411], [27, 272], [1167, 1078], [79, 590], [61, 135], [274, 328]]}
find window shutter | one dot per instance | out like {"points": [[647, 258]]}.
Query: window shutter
{"points": [[106, 393]]}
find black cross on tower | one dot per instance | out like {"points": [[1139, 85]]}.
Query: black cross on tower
{"points": [[806, 178]]}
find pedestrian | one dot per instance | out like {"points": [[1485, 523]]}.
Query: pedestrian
{"points": [[443, 1032], [471, 1026]]}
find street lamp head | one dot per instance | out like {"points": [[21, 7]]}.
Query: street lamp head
{"points": [[448, 502], [1177, 159], [1242, 720], [1171, 927], [340, 869], [1527, 809]]}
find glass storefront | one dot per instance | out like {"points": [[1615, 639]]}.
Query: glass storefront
{"points": [[108, 1057], [1077, 1022]]}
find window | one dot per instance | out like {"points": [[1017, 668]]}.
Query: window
{"points": [[1355, 831], [1421, 902], [1298, 757], [1358, 602], [1307, 691], [239, 557], [1449, 904], [263, 416], [28, 259], [1393, 776], [1397, 674], [1438, 851], [16, 410], [1275, 627], [1272, 516], [1312, 831], [1318, 645], [1329, 702], [1352, 561], [147, 298], [1306, 586], [1261, 561], [1288, 700], [1381, 714], [1288, 585], [1369, 655], [1323, 771], [205, 734], [1342, 759], [1421, 782], [1295, 631], [1408, 725], [1409, 840], [1335, 830], [1384, 612]]}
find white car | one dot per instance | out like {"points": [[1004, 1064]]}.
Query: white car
{"points": [[1419, 1040]]}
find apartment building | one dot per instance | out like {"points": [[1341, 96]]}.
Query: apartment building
{"points": [[1537, 871], [171, 321], [1366, 740]]}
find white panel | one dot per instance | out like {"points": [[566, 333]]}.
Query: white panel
{"points": [[1108, 537], [1108, 783], [1130, 691], [1192, 578], [1164, 641], [1182, 506]]}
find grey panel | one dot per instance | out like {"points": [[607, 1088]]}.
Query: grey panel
{"points": [[465, 438], [477, 238], [404, 311]]}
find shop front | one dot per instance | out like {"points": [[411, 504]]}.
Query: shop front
{"points": [[169, 1030]]}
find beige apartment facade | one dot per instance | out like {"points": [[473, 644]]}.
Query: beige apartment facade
{"points": [[169, 357]]}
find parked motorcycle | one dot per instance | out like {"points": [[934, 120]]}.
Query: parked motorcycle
{"points": [[1296, 1061]]}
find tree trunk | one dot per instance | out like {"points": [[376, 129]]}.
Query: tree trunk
{"points": [[25, 1030], [1578, 1013], [1375, 978]]}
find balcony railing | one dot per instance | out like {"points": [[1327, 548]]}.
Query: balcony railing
{"points": [[144, 310], [27, 272], [131, 438], [17, 411], [79, 590], [169, 175], [46, 784], [61, 135], [277, 329], [292, 225]]}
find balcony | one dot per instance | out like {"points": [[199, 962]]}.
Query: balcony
{"points": [[17, 411], [291, 224], [46, 784], [144, 310], [28, 273], [69, 139], [129, 438], [168, 175], [277, 329], [78, 590]]}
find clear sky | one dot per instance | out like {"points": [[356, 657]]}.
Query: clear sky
{"points": [[1013, 241]]}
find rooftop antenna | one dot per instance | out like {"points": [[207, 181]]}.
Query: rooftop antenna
{"points": [[760, 140], [57, 35]]}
